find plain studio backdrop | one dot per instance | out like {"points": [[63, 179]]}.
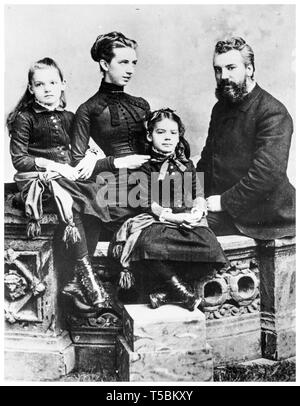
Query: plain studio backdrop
{"points": [[175, 52]]}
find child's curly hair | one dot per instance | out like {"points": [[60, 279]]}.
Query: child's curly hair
{"points": [[160, 114]]}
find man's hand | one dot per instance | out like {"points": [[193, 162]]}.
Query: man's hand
{"points": [[199, 206], [214, 203]]}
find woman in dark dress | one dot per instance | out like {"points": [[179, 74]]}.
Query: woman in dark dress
{"points": [[114, 120]]}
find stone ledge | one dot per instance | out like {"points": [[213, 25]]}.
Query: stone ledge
{"points": [[233, 242], [158, 366], [228, 243], [15, 215], [38, 358], [272, 260], [166, 328]]}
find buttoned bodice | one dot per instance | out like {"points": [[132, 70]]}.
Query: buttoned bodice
{"points": [[38, 132], [114, 120]]}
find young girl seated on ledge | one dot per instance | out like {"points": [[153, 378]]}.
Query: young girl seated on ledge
{"points": [[171, 232], [40, 130]]}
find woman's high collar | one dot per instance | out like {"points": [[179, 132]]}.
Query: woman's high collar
{"points": [[110, 88]]}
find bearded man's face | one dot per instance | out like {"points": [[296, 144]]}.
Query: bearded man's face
{"points": [[231, 76]]}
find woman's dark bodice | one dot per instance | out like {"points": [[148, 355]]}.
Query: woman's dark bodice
{"points": [[114, 120]]}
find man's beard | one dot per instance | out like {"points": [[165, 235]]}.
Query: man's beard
{"points": [[230, 91]]}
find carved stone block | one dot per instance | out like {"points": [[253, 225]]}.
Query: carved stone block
{"points": [[166, 328], [96, 358], [231, 291], [38, 357], [163, 365], [94, 336], [235, 338], [231, 303], [31, 290], [278, 298], [94, 329], [37, 346], [165, 344]]}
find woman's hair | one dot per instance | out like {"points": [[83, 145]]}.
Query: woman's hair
{"points": [[159, 115], [239, 44], [28, 98], [103, 47]]}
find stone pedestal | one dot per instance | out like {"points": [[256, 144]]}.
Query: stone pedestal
{"points": [[94, 338], [231, 303], [38, 357], [235, 339], [37, 346], [94, 335], [278, 298], [165, 344]]}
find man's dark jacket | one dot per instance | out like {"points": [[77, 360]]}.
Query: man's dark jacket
{"points": [[245, 160]]}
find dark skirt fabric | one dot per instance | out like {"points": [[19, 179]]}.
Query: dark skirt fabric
{"points": [[116, 197], [86, 198], [162, 242]]}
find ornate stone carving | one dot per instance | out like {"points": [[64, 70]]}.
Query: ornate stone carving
{"points": [[106, 320], [11, 258], [96, 326], [95, 329], [15, 285], [228, 310], [214, 292], [231, 292], [20, 286]]}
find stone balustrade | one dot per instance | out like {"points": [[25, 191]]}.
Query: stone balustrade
{"points": [[37, 344], [249, 310]]}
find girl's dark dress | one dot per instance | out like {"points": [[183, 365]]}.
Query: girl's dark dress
{"points": [[115, 121], [160, 241], [38, 132]]}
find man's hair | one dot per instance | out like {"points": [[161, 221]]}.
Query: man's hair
{"points": [[238, 44]]}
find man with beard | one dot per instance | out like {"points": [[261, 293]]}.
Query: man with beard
{"points": [[246, 153]]}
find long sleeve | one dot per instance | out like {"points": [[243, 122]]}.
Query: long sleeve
{"points": [[143, 180], [204, 162], [197, 183], [20, 135], [177, 194], [148, 197], [80, 134], [80, 141], [104, 165], [268, 169]]}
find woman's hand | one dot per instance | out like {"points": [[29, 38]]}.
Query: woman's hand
{"points": [[86, 166], [44, 163], [131, 161], [66, 171]]}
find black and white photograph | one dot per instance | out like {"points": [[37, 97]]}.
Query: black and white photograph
{"points": [[149, 172]]}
